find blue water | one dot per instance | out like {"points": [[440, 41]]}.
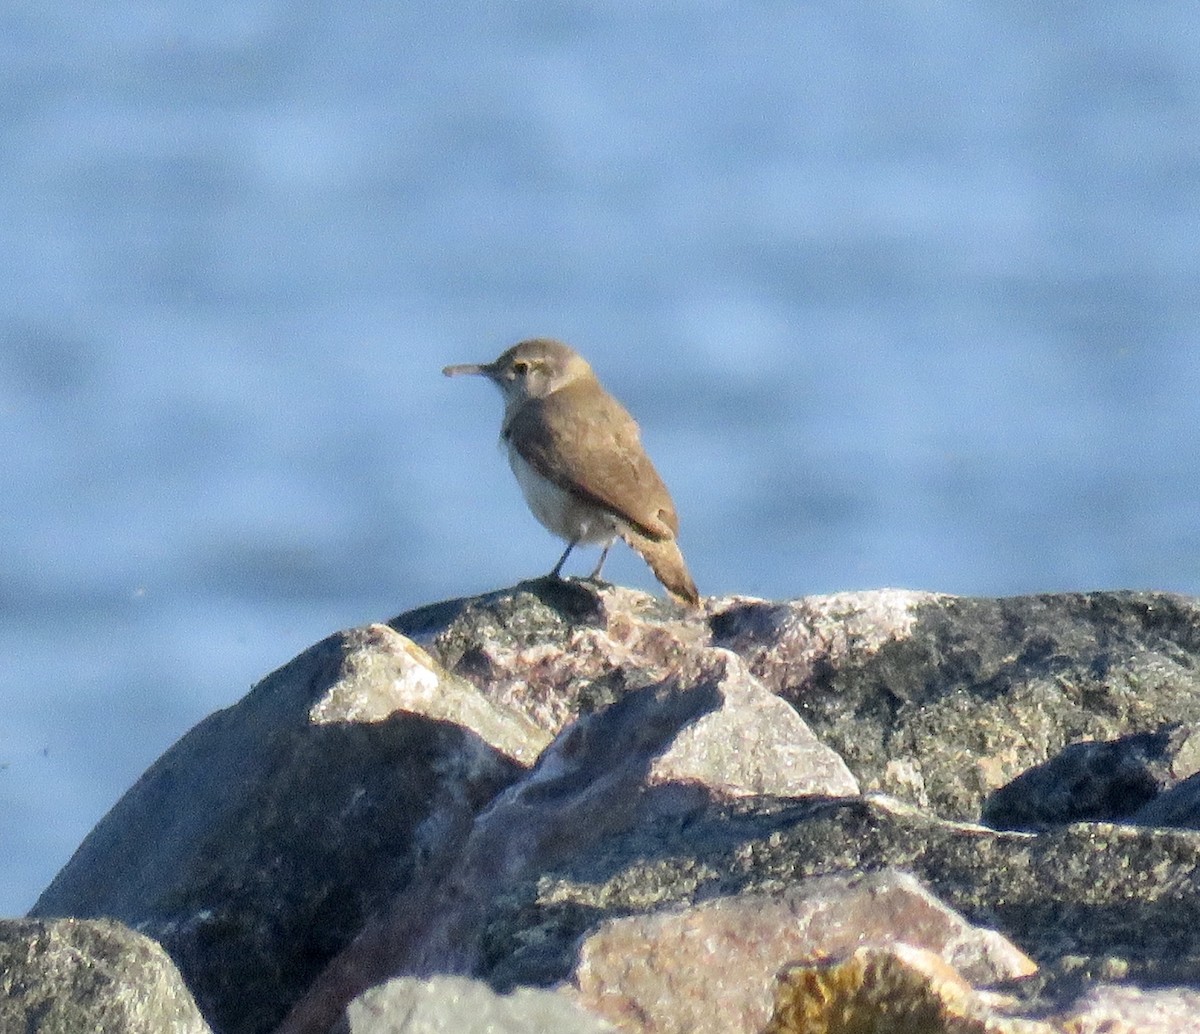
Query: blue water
{"points": [[902, 294]]}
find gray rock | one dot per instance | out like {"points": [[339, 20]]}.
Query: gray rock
{"points": [[255, 848], [708, 968], [938, 700], [442, 1005], [1075, 899], [68, 976], [942, 700], [555, 650], [754, 743], [552, 650], [1117, 1009]]}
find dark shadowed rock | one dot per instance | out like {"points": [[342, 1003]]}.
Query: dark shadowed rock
{"points": [[1178, 806], [1108, 781], [585, 786], [70, 976], [442, 1005], [256, 847]]}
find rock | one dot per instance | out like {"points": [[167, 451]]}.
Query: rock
{"points": [[893, 990], [369, 811], [256, 847], [443, 1004], [942, 700], [1107, 781], [1179, 806], [1076, 900], [67, 976], [753, 743], [585, 786], [938, 700], [552, 650], [1116, 1009], [708, 968], [555, 650]]}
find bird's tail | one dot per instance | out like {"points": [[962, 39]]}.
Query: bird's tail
{"points": [[666, 561]]}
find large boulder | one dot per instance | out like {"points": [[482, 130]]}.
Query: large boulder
{"points": [[258, 845]]}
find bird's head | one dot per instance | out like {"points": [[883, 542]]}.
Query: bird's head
{"points": [[529, 370]]}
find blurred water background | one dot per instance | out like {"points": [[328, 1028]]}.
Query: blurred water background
{"points": [[902, 294]]}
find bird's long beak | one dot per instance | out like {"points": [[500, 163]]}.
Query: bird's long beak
{"points": [[462, 368]]}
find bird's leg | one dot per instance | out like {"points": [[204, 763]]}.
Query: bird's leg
{"points": [[603, 556], [561, 560]]}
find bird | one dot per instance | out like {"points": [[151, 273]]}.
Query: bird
{"points": [[577, 454]]}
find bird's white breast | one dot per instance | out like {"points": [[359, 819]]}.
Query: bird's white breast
{"points": [[564, 514]]}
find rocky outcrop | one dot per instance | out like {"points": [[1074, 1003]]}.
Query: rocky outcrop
{"points": [[650, 813]]}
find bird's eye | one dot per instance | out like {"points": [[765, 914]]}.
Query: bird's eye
{"points": [[520, 367]]}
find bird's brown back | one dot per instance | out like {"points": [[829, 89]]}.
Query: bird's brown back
{"points": [[598, 458]]}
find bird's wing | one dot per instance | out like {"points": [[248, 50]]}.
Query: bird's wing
{"points": [[619, 475]]}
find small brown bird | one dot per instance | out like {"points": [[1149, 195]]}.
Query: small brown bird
{"points": [[578, 456]]}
